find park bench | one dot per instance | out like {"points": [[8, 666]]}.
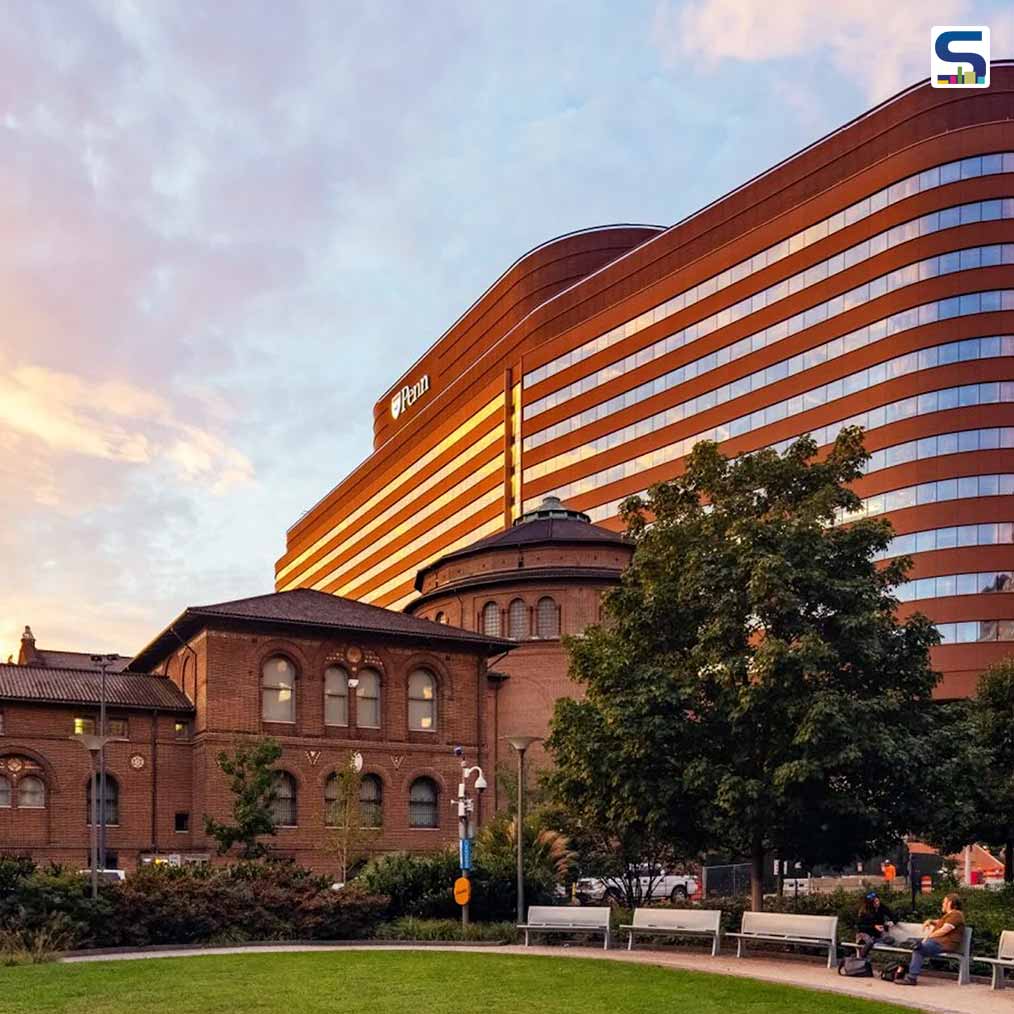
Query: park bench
{"points": [[905, 934], [567, 919], [785, 928], [674, 922], [1004, 958]]}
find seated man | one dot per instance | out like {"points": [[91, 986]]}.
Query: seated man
{"points": [[943, 934]]}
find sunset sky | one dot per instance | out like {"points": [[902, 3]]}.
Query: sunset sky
{"points": [[229, 226]]}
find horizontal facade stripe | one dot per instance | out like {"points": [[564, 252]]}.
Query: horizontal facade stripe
{"points": [[391, 491], [928, 179]]}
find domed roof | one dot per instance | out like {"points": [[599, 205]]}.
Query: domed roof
{"points": [[552, 522]]}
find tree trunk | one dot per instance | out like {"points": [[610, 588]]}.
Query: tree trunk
{"points": [[1008, 859], [757, 878]]}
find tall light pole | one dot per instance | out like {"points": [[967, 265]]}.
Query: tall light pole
{"points": [[103, 662], [466, 830], [521, 744], [93, 744]]}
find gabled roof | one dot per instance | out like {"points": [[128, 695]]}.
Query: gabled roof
{"points": [[83, 686], [304, 607]]}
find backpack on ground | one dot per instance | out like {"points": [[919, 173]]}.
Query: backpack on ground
{"points": [[855, 966], [893, 970]]}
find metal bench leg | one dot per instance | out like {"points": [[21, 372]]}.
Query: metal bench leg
{"points": [[832, 956], [630, 940], [964, 973], [605, 941], [998, 982], [526, 938], [714, 947], [739, 947]]}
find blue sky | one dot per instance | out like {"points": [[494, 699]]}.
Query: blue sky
{"points": [[230, 225]]}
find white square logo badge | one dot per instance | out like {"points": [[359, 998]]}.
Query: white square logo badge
{"points": [[959, 56]]}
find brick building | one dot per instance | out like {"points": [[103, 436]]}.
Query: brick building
{"points": [[539, 580], [480, 660], [326, 676]]}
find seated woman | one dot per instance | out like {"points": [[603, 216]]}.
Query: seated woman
{"points": [[872, 923]]}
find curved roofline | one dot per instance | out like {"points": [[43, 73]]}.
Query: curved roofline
{"points": [[658, 229], [921, 83], [477, 548]]}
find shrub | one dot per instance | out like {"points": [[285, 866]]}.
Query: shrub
{"points": [[410, 928], [192, 904], [36, 945]]}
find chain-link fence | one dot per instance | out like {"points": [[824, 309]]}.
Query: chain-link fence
{"points": [[726, 881]]}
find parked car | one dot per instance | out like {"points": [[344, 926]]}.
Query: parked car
{"points": [[658, 886], [108, 876]]}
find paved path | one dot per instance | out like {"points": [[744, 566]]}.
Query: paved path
{"points": [[939, 996]]}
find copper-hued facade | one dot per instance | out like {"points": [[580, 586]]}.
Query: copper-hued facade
{"points": [[868, 278]]}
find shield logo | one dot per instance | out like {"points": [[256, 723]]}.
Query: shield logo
{"points": [[396, 405]]}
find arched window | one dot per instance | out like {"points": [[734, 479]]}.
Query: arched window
{"points": [[441, 617], [336, 696], [278, 690], [547, 618], [368, 700], [371, 801], [422, 803], [5, 792], [112, 801], [491, 619], [422, 701], [283, 807], [517, 620]]}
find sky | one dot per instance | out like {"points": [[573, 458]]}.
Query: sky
{"points": [[229, 226]]}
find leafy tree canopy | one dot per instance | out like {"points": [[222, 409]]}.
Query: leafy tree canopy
{"points": [[753, 690], [252, 784]]}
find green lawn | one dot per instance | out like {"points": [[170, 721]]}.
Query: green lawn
{"points": [[406, 982]]}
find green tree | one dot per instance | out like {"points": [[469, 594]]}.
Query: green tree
{"points": [[350, 838], [974, 757], [252, 783], [753, 691]]}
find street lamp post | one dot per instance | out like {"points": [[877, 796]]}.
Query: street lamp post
{"points": [[466, 831], [103, 662], [93, 744], [521, 744]]}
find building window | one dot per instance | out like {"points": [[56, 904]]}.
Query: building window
{"points": [[517, 620], [112, 801], [278, 690], [547, 618], [331, 814], [441, 617], [491, 619], [368, 700], [181, 729], [5, 793], [371, 801], [31, 793], [89, 726], [336, 696], [182, 822], [422, 803], [422, 701], [283, 807], [3, 727]]}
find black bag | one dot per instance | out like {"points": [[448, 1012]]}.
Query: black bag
{"points": [[893, 970], [857, 967]]}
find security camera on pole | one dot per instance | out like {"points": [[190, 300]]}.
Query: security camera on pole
{"points": [[466, 831]]}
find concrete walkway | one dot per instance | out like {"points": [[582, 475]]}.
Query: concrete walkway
{"points": [[936, 995]]}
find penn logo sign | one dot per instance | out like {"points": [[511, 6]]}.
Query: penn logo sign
{"points": [[409, 395]]}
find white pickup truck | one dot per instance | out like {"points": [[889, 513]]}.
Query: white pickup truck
{"points": [[660, 886]]}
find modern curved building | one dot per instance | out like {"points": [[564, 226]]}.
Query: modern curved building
{"points": [[866, 279]]}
